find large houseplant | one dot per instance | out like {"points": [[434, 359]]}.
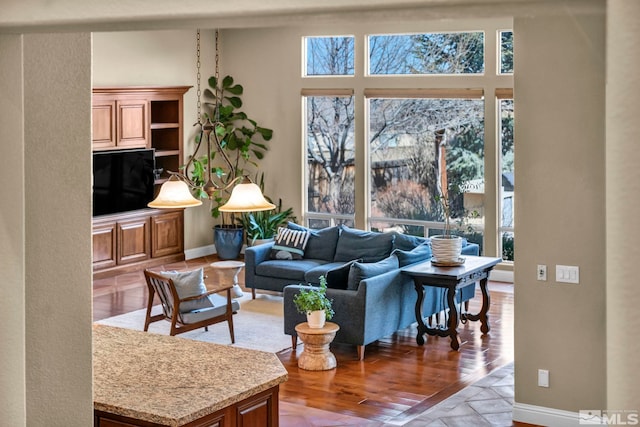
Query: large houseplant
{"points": [[263, 225], [314, 303], [240, 142]]}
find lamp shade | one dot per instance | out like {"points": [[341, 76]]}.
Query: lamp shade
{"points": [[174, 194], [246, 197]]}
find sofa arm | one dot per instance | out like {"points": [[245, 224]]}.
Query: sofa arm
{"points": [[253, 256], [471, 249], [369, 313]]}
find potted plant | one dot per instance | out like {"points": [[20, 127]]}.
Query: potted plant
{"points": [[447, 247], [262, 226], [239, 141], [314, 303]]}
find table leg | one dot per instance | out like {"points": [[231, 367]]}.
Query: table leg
{"points": [[483, 315], [422, 328], [454, 318]]}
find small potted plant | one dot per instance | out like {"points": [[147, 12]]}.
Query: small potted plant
{"points": [[447, 247], [314, 303]]}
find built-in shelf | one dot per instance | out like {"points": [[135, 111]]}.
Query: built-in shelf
{"points": [[139, 117]]}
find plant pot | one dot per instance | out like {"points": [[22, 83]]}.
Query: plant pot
{"points": [[228, 241], [446, 249], [316, 319]]}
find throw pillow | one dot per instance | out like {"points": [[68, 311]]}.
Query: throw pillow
{"points": [[419, 253], [338, 277], [289, 244], [189, 284], [407, 242], [371, 246], [322, 242], [364, 270]]}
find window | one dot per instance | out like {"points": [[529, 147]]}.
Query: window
{"points": [[330, 157], [413, 142], [377, 140], [430, 53], [506, 52], [329, 56], [507, 182]]}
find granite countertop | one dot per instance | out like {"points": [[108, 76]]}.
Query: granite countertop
{"points": [[172, 380]]}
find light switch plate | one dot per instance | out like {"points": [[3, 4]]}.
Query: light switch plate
{"points": [[543, 378], [567, 274]]}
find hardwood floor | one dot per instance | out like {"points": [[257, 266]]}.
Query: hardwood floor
{"points": [[397, 379]]}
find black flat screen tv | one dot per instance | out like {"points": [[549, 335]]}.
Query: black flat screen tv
{"points": [[122, 180]]}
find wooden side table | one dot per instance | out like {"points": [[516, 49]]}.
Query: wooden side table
{"points": [[227, 272], [316, 355], [475, 269]]}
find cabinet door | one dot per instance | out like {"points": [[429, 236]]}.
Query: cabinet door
{"points": [[104, 245], [133, 240], [103, 114], [259, 410], [132, 123], [167, 234]]}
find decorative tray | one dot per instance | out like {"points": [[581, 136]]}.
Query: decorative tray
{"points": [[457, 263]]}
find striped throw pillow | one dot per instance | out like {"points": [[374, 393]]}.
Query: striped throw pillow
{"points": [[289, 244]]}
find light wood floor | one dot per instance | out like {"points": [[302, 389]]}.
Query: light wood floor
{"points": [[397, 380]]}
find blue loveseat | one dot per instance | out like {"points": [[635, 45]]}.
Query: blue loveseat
{"points": [[371, 297]]}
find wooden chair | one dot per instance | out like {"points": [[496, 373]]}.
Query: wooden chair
{"points": [[183, 321]]}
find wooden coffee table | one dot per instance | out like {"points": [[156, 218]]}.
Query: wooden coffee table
{"points": [[475, 268], [316, 355]]}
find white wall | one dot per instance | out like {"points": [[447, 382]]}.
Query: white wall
{"points": [[57, 259], [623, 204], [560, 212], [12, 238]]}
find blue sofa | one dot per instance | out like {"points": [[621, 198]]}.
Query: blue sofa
{"points": [[371, 297]]}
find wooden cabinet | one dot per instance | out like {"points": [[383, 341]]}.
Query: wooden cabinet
{"points": [[260, 410], [139, 117], [166, 234], [104, 245], [135, 240], [119, 121]]}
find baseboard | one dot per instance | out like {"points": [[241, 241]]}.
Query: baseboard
{"points": [[199, 252], [203, 251], [501, 276], [542, 416]]}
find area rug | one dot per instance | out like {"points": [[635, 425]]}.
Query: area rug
{"points": [[258, 325]]}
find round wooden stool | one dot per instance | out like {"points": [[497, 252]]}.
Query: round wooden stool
{"points": [[227, 271], [315, 354]]}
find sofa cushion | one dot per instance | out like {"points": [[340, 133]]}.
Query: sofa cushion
{"points": [[338, 277], [364, 270], [407, 242], [370, 246], [189, 284], [287, 269], [417, 254], [289, 244], [321, 244], [313, 275]]}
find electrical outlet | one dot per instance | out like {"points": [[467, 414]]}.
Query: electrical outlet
{"points": [[543, 378], [542, 272]]}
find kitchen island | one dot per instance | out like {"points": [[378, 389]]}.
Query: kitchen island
{"points": [[145, 379]]}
